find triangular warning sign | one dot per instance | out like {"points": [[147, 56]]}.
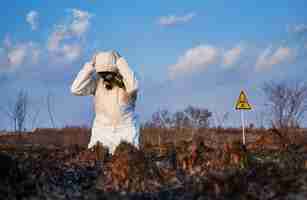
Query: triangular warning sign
{"points": [[242, 102]]}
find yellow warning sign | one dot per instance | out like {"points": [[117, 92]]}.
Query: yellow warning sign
{"points": [[242, 103]]}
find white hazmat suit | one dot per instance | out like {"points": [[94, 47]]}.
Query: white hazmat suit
{"points": [[115, 117]]}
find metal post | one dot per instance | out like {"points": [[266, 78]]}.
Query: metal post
{"points": [[243, 128]]}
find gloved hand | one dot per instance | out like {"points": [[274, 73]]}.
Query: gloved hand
{"points": [[116, 55], [89, 66]]}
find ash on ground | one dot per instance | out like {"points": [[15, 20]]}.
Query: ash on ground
{"points": [[189, 170]]}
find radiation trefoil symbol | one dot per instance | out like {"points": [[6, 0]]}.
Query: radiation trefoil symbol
{"points": [[242, 102]]}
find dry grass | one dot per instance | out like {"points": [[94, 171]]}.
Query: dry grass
{"points": [[153, 137], [212, 165]]}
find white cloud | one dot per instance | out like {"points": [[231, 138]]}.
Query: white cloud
{"points": [[199, 58], [80, 23], [231, 56], [32, 19], [15, 55], [21, 53], [281, 54], [299, 28], [268, 58], [64, 40], [195, 59], [71, 52], [173, 19], [57, 37]]}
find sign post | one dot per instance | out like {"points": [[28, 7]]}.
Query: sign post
{"points": [[243, 126], [242, 104]]}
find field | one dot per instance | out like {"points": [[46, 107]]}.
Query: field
{"points": [[171, 164]]}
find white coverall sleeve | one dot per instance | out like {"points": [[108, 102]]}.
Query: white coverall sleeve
{"points": [[84, 84], [129, 78]]}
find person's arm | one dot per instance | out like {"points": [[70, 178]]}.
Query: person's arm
{"points": [[84, 84], [129, 79]]}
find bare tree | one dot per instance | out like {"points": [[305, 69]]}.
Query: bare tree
{"points": [[17, 111], [181, 120], [49, 109], [21, 110], [160, 119], [197, 117], [220, 118], [190, 117], [34, 115], [260, 118], [287, 102]]}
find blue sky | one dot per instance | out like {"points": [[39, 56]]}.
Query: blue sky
{"points": [[198, 53]]}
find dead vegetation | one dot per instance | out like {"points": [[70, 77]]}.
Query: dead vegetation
{"points": [[269, 167]]}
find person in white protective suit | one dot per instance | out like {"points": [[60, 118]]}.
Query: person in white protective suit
{"points": [[114, 87]]}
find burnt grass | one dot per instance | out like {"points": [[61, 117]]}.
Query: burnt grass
{"points": [[270, 167]]}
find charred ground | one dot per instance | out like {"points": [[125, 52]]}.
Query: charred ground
{"points": [[212, 165]]}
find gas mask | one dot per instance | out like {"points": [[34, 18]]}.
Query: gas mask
{"points": [[111, 79]]}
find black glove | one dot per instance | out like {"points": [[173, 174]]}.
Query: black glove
{"points": [[111, 79]]}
